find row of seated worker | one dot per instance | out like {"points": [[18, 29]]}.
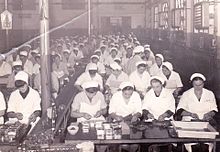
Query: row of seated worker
{"points": [[123, 58], [65, 53], [196, 104]]}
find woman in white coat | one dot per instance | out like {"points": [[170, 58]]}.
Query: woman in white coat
{"points": [[197, 103], [158, 103]]}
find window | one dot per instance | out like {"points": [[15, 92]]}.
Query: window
{"points": [[156, 17], [204, 16], [178, 15], [23, 4], [74, 4], [164, 16]]}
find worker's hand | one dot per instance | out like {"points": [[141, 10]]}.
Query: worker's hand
{"points": [[134, 119], [162, 117], [150, 116], [87, 116], [118, 118], [194, 115], [32, 118], [98, 114], [19, 116], [207, 117]]}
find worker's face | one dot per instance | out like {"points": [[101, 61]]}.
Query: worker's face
{"points": [[166, 71], [129, 53], [66, 55], [95, 60], [92, 72], [57, 60], [116, 72], [23, 58], [23, 88], [113, 53], [127, 93], [91, 92], [141, 69], [198, 84], [158, 61], [59, 48], [147, 53], [156, 86]]}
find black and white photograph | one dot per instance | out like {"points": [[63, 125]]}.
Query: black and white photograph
{"points": [[109, 75]]}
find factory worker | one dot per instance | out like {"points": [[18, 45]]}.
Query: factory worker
{"points": [[116, 78], [140, 78], [27, 64], [197, 103], [99, 53], [32, 55], [36, 67], [172, 78], [89, 104], [76, 55], [67, 59], [60, 68], [125, 103], [90, 75], [156, 68], [101, 68], [158, 103], [5, 72], [148, 56], [113, 54], [16, 67], [2, 107], [24, 104], [127, 57], [118, 60], [137, 53]]}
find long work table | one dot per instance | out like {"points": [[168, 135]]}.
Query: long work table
{"points": [[150, 134]]}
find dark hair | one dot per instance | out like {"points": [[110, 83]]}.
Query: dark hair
{"points": [[127, 88], [142, 65], [19, 83], [92, 90], [196, 79]]}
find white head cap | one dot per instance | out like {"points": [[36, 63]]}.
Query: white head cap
{"points": [[66, 50], [126, 84], [199, 75], [168, 65], [94, 56], [157, 78], [141, 62], [92, 66], [138, 49], [90, 84], [24, 53], [160, 56], [115, 66], [17, 63], [21, 75]]}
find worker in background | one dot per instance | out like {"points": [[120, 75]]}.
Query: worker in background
{"points": [[156, 68], [90, 75], [125, 105], [5, 72], [101, 68], [24, 104], [116, 78], [197, 104], [26, 63], [172, 78], [2, 108], [141, 78], [127, 57], [137, 54], [113, 54]]}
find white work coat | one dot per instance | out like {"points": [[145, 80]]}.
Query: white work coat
{"points": [[114, 82], [159, 105], [82, 104], [190, 103], [2, 106], [140, 81], [26, 106], [119, 106]]}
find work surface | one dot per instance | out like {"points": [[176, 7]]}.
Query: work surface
{"points": [[150, 134]]}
